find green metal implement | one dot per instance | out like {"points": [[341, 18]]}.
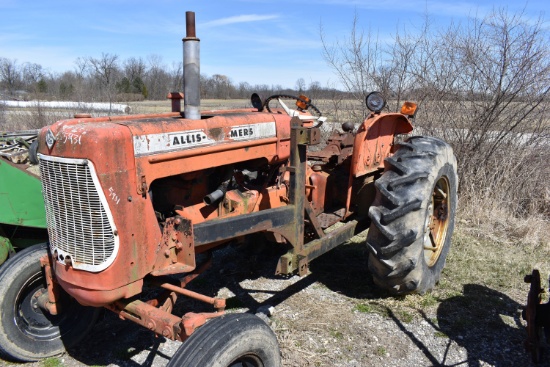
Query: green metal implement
{"points": [[22, 215]]}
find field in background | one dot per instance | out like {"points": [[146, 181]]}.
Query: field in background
{"points": [[206, 104]]}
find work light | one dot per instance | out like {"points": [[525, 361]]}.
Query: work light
{"points": [[375, 102]]}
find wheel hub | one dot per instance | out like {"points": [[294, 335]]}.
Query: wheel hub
{"points": [[29, 316]]}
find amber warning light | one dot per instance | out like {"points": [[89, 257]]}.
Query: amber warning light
{"points": [[409, 109], [302, 102]]}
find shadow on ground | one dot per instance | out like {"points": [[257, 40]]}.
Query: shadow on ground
{"points": [[481, 320], [114, 341], [342, 270], [487, 324]]}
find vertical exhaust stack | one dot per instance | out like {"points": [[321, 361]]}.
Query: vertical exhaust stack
{"points": [[191, 70]]}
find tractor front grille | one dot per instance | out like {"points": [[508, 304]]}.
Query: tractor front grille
{"points": [[80, 225]]}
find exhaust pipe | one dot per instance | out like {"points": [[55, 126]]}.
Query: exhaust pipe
{"points": [[191, 70]]}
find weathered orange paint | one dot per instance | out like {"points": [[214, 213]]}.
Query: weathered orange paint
{"points": [[108, 146], [374, 141], [107, 143], [318, 193], [217, 127]]}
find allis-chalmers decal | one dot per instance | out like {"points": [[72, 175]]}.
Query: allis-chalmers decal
{"points": [[254, 131], [180, 140], [189, 138]]}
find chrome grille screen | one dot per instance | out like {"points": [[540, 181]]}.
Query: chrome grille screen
{"points": [[80, 226]]}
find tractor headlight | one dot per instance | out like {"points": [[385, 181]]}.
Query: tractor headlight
{"points": [[375, 102]]}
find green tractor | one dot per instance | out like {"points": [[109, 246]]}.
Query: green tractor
{"points": [[22, 215]]}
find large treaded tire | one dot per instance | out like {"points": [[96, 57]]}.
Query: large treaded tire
{"points": [[233, 340], [412, 217], [26, 332]]}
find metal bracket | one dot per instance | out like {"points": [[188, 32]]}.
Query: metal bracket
{"points": [[176, 252], [48, 300], [160, 319], [308, 135]]}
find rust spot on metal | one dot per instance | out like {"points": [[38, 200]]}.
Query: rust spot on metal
{"points": [[190, 30], [175, 98], [175, 253], [216, 133]]}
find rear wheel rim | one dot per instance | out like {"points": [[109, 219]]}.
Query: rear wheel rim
{"points": [[437, 221]]}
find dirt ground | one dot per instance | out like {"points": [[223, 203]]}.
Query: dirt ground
{"points": [[334, 316]]}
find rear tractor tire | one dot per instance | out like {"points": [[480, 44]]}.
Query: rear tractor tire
{"points": [[233, 340], [28, 333], [412, 217]]}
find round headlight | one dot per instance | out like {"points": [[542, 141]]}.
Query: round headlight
{"points": [[375, 102]]}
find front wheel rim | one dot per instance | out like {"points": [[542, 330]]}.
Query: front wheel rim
{"points": [[28, 317], [437, 221], [248, 360], [33, 322]]}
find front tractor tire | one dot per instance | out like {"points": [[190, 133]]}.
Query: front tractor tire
{"points": [[412, 217], [28, 333], [233, 340]]}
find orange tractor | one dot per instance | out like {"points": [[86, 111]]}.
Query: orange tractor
{"points": [[134, 200]]}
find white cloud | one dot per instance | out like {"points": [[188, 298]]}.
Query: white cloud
{"points": [[245, 18]]}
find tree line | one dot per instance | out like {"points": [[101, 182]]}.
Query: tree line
{"points": [[108, 78]]}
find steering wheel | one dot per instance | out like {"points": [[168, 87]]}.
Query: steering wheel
{"points": [[307, 103]]}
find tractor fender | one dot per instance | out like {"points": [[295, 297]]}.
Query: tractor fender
{"points": [[374, 141]]}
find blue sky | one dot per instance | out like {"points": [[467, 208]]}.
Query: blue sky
{"points": [[258, 41]]}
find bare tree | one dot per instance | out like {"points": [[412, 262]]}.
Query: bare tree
{"points": [[222, 86], [356, 61], [10, 75], [300, 85], [134, 68], [245, 90], [314, 90], [82, 89], [106, 71], [176, 76], [33, 77], [157, 79], [132, 84]]}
